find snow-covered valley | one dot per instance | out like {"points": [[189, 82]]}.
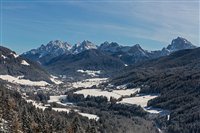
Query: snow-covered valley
{"points": [[126, 96]]}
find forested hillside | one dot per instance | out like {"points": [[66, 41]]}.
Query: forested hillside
{"points": [[177, 78], [19, 116]]}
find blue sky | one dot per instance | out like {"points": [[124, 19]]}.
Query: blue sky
{"points": [[26, 24]]}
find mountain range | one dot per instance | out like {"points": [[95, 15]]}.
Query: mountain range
{"points": [[61, 57], [172, 72]]}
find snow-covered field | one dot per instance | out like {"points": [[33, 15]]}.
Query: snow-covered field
{"points": [[56, 98], [90, 116], [115, 93], [156, 111], [37, 105], [43, 107], [61, 109], [141, 100], [19, 80], [88, 82], [89, 72], [126, 92], [55, 80]]}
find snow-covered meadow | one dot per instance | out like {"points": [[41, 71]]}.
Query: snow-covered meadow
{"points": [[90, 72], [19, 80], [55, 80], [115, 93], [141, 100], [27, 82], [88, 82], [56, 99]]}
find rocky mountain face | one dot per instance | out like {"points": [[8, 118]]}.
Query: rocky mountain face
{"points": [[53, 49], [179, 44], [15, 65], [135, 54], [80, 47], [47, 52], [128, 55]]}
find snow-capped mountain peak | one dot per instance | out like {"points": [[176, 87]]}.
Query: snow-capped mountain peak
{"points": [[128, 54], [46, 52], [110, 47], [137, 50], [85, 45], [56, 47], [57, 44], [88, 45], [180, 43]]}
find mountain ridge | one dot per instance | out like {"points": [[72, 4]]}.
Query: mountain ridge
{"points": [[58, 48], [127, 55], [16, 65]]}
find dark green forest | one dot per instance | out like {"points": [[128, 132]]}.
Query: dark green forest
{"points": [[177, 79], [21, 116]]}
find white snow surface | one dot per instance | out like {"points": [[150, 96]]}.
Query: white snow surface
{"points": [[115, 93], [142, 100], [90, 72], [61, 109], [168, 117], [4, 57], [15, 55], [126, 92], [25, 63], [155, 110], [56, 98], [139, 100], [43, 107], [90, 116], [88, 82], [55, 80], [37, 105], [19, 80]]}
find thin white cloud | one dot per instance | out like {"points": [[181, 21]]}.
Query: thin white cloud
{"points": [[160, 20], [156, 20]]}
